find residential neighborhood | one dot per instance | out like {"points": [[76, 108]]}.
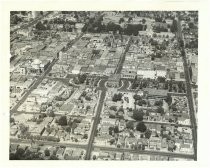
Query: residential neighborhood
{"points": [[103, 85]]}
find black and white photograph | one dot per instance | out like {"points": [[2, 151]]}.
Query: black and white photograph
{"points": [[85, 83], [103, 85]]}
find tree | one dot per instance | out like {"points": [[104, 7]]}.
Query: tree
{"points": [[12, 120], [88, 98], [47, 152], [143, 21], [94, 157], [62, 121], [112, 116], [114, 108], [116, 129], [138, 115], [121, 20], [112, 141], [190, 72], [159, 103], [74, 125], [51, 114], [141, 102], [95, 52], [141, 127], [12, 156], [133, 29], [82, 78], [160, 110], [111, 129], [169, 99], [117, 97], [154, 35], [23, 128], [130, 125], [174, 26], [88, 108], [15, 19], [130, 19], [182, 45], [161, 79], [113, 27], [40, 26], [121, 109], [77, 120], [148, 133], [68, 129], [53, 157], [137, 97], [19, 153], [48, 129], [85, 136], [23, 13], [43, 115], [191, 25], [13, 12], [84, 93]]}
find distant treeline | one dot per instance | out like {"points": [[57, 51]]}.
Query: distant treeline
{"points": [[98, 27]]}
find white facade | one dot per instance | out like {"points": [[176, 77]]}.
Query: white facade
{"points": [[76, 69], [146, 74]]}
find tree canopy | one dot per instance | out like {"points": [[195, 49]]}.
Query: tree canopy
{"points": [[117, 97], [62, 121], [138, 115], [148, 133], [141, 127], [130, 125], [174, 26], [40, 26]]}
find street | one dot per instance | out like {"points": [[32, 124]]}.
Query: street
{"points": [[89, 147], [146, 152], [39, 80], [22, 141], [189, 92], [95, 124], [122, 58]]}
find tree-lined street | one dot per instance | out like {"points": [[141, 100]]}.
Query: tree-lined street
{"points": [[189, 92]]}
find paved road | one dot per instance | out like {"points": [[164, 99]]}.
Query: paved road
{"points": [[95, 124], [56, 114], [164, 123], [170, 154], [39, 80], [189, 92], [177, 94], [122, 58], [125, 85], [100, 106], [20, 141], [102, 84]]}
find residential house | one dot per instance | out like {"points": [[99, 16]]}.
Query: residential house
{"points": [[60, 153]]}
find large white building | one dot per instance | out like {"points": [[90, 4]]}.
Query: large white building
{"points": [[76, 69], [152, 74]]}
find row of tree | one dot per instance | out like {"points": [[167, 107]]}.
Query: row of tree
{"points": [[117, 97], [22, 154], [139, 127], [98, 27]]}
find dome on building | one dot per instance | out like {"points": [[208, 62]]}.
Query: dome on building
{"points": [[37, 61]]}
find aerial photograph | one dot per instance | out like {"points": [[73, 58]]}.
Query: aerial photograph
{"points": [[103, 85]]}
